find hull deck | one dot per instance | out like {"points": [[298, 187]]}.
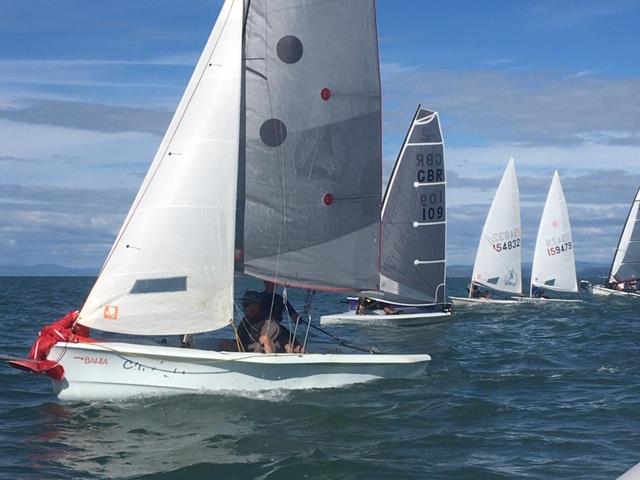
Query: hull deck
{"points": [[547, 300], [350, 317], [603, 291], [465, 301]]}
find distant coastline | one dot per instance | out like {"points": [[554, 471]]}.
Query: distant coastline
{"points": [[584, 269], [46, 270]]}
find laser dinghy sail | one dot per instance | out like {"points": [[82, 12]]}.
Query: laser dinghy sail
{"points": [[625, 269], [554, 264], [271, 165], [498, 264], [413, 240]]}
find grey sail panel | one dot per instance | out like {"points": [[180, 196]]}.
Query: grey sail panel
{"points": [[635, 235], [413, 242], [630, 267], [313, 143]]}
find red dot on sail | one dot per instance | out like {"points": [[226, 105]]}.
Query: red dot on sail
{"points": [[325, 94], [328, 199]]}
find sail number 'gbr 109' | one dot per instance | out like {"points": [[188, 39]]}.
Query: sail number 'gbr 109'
{"points": [[431, 170]]}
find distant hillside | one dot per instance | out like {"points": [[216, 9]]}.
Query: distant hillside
{"points": [[584, 269], [45, 270]]}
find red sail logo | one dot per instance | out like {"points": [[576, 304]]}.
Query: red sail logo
{"points": [[110, 312]]}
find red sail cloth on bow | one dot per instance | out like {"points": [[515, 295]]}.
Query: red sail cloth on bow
{"points": [[62, 330]]}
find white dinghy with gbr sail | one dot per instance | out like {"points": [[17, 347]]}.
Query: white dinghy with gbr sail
{"points": [[271, 165], [498, 264], [625, 269], [554, 263], [413, 241]]}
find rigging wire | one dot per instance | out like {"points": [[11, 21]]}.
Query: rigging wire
{"points": [[341, 341]]}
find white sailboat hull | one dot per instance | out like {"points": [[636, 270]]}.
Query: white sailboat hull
{"points": [[99, 371], [417, 319], [546, 300], [605, 292], [465, 301]]}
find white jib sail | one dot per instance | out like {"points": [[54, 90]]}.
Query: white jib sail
{"points": [[170, 270], [554, 265], [499, 258]]}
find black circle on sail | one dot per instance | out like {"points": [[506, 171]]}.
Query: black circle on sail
{"points": [[289, 49], [273, 132]]}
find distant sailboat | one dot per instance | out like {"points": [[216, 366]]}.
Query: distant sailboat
{"points": [[271, 165], [625, 269], [498, 264], [554, 265], [413, 240]]}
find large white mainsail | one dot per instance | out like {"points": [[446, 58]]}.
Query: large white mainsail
{"points": [[498, 262], [554, 265], [626, 262], [170, 270]]}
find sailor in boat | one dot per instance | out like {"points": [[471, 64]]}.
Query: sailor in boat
{"points": [[477, 293], [537, 292], [274, 304], [258, 332], [629, 287], [369, 306]]}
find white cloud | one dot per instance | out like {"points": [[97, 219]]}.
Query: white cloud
{"points": [[71, 157], [515, 107], [88, 116], [488, 161], [496, 62]]}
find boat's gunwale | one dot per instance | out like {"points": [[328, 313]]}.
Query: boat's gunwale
{"points": [[534, 300], [482, 301], [612, 292], [246, 357], [400, 316]]}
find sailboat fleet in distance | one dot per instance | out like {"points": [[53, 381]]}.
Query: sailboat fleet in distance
{"points": [[247, 181], [498, 265]]}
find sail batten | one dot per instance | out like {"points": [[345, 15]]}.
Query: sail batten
{"points": [[554, 266], [413, 240], [498, 263], [170, 270]]}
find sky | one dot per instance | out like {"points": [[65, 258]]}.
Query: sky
{"points": [[88, 88]]}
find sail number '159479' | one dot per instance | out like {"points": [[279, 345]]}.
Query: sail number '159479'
{"points": [[558, 244]]}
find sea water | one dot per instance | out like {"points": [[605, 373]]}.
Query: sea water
{"points": [[526, 391]]}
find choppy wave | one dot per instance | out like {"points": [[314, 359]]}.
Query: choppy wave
{"points": [[530, 392]]}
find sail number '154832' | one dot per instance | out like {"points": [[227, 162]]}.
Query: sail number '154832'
{"points": [[506, 240]]}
